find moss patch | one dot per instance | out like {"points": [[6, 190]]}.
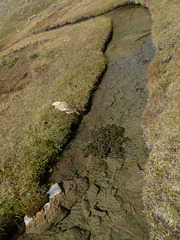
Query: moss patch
{"points": [[107, 140]]}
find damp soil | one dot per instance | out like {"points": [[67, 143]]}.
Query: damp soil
{"points": [[101, 170]]}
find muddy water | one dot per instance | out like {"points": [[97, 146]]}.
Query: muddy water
{"points": [[101, 170]]}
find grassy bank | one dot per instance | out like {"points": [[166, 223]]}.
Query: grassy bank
{"points": [[64, 65], [162, 193]]}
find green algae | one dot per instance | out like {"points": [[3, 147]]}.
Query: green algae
{"points": [[107, 140]]}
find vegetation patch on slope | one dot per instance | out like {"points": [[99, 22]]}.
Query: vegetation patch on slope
{"points": [[14, 15], [63, 65], [162, 118]]}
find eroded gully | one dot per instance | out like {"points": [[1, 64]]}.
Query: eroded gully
{"points": [[101, 169]]}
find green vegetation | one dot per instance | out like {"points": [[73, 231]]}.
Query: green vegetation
{"points": [[61, 64], [34, 55], [69, 63], [9, 62]]}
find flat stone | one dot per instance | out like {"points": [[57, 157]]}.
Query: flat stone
{"points": [[32, 17], [63, 107]]}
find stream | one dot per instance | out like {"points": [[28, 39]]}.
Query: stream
{"points": [[101, 169]]}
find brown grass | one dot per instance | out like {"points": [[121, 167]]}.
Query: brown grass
{"points": [[162, 115], [68, 11], [14, 15]]}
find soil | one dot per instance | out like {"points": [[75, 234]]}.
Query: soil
{"points": [[101, 169]]}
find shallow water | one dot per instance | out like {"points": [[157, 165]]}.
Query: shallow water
{"points": [[101, 169]]}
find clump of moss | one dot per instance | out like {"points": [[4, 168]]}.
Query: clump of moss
{"points": [[107, 140]]}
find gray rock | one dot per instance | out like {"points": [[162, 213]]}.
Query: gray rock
{"points": [[54, 190], [32, 17], [54, 5]]}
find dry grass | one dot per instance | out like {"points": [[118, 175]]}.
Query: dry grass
{"points": [[14, 15], [62, 65], [162, 118], [57, 70], [67, 11]]}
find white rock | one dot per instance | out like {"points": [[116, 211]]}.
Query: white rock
{"points": [[47, 206], [63, 107], [27, 220], [31, 17], [66, 40], [54, 5], [54, 190]]}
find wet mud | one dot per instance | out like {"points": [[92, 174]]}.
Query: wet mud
{"points": [[101, 169]]}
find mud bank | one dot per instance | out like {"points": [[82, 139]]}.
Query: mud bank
{"points": [[101, 169]]}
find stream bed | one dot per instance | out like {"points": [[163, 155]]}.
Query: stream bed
{"points": [[101, 169]]}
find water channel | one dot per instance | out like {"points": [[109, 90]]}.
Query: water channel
{"points": [[101, 169]]}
